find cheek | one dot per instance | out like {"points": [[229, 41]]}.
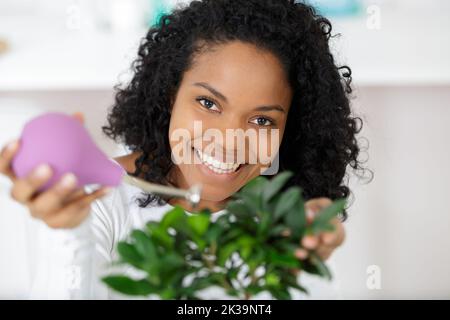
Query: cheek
{"points": [[179, 139], [181, 122], [186, 114], [267, 145]]}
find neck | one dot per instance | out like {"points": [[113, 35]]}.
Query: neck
{"points": [[213, 206]]}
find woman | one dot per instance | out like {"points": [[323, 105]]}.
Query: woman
{"points": [[229, 65]]}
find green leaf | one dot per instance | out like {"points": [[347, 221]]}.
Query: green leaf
{"points": [[251, 227], [172, 261], [199, 223], [331, 211], [128, 253], [296, 220], [257, 259], [201, 283], [264, 224], [321, 267], [283, 260], [245, 240], [280, 293], [286, 245], [255, 186], [160, 235], [246, 243], [168, 294], [199, 241], [225, 252], [129, 286], [213, 233], [272, 279], [233, 292], [318, 228], [277, 230], [275, 185], [299, 287], [144, 245], [230, 235], [321, 221], [238, 208], [252, 202], [173, 218], [292, 281], [287, 202], [232, 273], [147, 249], [253, 290]]}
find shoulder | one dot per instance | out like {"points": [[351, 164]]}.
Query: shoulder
{"points": [[117, 213], [110, 213], [127, 161]]}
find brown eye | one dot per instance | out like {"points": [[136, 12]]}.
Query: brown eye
{"points": [[262, 121], [208, 104]]}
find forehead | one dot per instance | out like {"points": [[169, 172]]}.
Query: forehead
{"points": [[242, 72]]}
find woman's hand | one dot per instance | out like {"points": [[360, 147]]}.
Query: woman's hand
{"points": [[61, 206], [324, 243]]}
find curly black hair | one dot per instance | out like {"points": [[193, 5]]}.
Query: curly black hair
{"points": [[319, 142]]}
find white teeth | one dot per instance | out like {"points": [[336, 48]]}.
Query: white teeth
{"points": [[216, 165]]}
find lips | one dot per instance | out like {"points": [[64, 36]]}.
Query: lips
{"points": [[215, 165]]}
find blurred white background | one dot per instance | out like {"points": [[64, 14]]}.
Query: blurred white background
{"points": [[67, 55]]}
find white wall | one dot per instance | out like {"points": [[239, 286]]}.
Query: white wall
{"points": [[16, 226], [401, 220]]}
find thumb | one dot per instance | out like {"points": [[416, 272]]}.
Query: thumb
{"points": [[79, 116], [314, 206]]}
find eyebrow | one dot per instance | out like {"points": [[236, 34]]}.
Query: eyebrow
{"points": [[222, 97], [270, 108], [212, 90]]}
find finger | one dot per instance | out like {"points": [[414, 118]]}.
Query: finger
{"points": [[324, 252], [89, 198], [73, 214], [6, 157], [24, 189], [82, 195], [73, 196], [310, 215], [310, 242], [334, 238], [314, 206], [54, 199], [68, 218], [318, 203], [301, 253]]}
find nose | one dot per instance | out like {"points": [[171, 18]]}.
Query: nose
{"points": [[233, 145]]}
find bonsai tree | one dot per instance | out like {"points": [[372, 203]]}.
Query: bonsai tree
{"points": [[247, 250]]}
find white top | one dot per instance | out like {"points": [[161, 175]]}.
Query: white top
{"points": [[71, 262]]}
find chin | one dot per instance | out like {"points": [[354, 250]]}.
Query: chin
{"points": [[217, 195]]}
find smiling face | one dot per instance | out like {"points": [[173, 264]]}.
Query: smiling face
{"points": [[234, 87]]}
